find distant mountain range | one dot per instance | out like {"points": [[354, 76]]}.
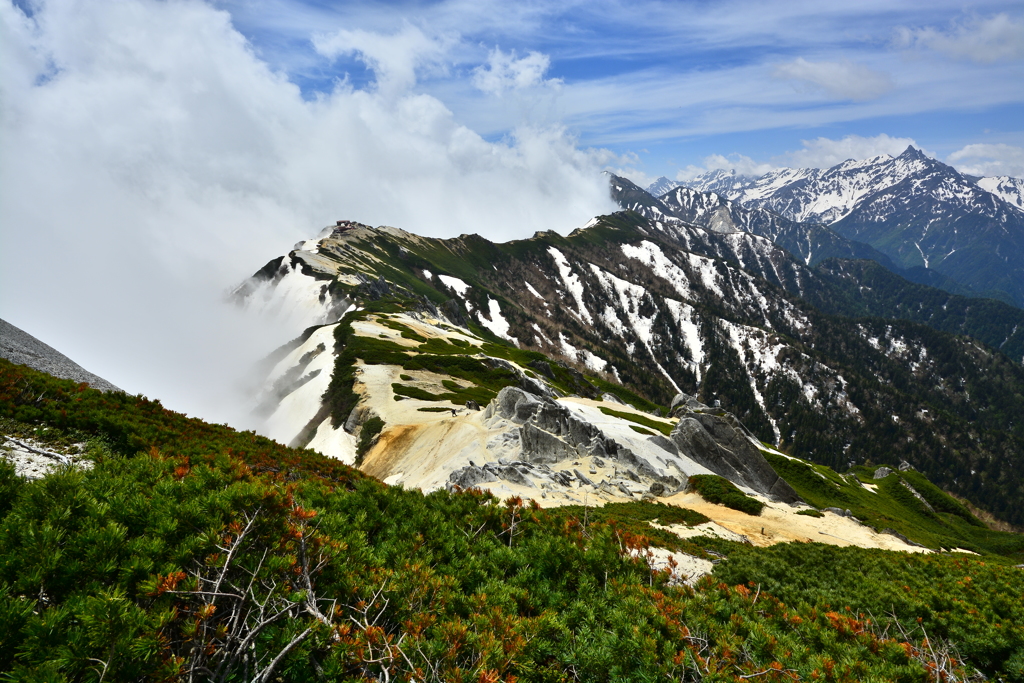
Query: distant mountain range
{"points": [[918, 212]]}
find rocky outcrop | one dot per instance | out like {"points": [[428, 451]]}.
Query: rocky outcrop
{"points": [[551, 433], [548, 433], [720, 443], [684, 403], [518, 472]]}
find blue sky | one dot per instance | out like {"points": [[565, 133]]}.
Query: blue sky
{"points": [[675, 82], [157, 152]]}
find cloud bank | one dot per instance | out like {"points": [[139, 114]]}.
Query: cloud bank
{"points": [[989, 160], [151, 160]]}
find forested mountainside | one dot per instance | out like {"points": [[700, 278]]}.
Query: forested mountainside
{"points": [[666, 309], [190, 551], [916, 210], [865, 288]]}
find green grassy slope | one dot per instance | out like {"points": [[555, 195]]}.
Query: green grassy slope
{"points": [[938, 522]]}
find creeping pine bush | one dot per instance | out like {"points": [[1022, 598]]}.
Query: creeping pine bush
{"points": [[368, 435], [194, 552], [719, 490]]}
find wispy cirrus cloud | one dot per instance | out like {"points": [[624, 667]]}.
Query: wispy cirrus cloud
{"points": [[842, 80], [999, 38]]}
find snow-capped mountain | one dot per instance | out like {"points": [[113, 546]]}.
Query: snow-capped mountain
{"points": [[719, 181], [683, 209], [916, 210], [647, 310], [662, 185], [1010, 190]]}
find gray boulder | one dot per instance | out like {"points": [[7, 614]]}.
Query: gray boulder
{"points": [[684, 403], [722, 444], [468, 477], [540, 446]]}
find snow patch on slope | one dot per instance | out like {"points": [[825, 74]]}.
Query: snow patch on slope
{"points": [[455, 284], [572, 282], [294, 300], [497, 324], [297, 408]]}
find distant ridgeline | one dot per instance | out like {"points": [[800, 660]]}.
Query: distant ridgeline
{"points": [[21, 347], [933, 224], [843, 364], [192, 551]]}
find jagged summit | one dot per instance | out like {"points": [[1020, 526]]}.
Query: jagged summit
{"points": [[911, 152]]}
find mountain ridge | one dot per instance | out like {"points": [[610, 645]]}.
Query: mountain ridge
{"points": [[19, 346], [666, 308]]}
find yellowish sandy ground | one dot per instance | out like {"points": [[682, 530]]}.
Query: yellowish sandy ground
{"points": [[420, 450], [780, 523]]}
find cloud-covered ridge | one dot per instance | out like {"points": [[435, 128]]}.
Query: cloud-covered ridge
{"points": [[151, 160]]}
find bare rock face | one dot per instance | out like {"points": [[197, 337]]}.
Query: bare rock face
{"points": [[549, 439], [22, 348], [550, 434], [684, 403], [721, 444]]}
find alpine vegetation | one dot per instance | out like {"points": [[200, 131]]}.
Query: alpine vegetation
{"points": [[666, 445]]}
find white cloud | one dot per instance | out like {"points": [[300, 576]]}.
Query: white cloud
{"points": [[824, 152], [503, 72], [989, 160], [999, 38], [394, 58], [839, 80], [151, 161]]}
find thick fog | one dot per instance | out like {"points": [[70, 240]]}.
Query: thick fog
{"points": [[150, 161]]}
